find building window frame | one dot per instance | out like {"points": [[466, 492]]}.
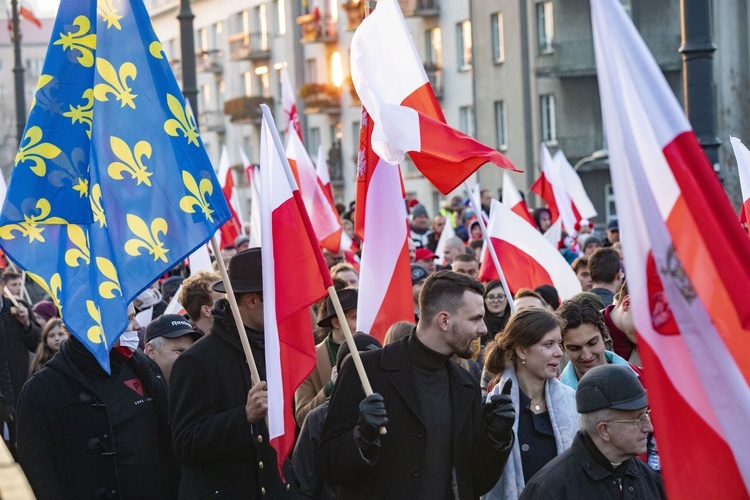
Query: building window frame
{"points": [[545, 27], [463, 45], [501, 126], [548, 119], [498, 42]]}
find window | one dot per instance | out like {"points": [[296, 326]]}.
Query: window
{"points": [[466, 120], [262, 20], [313, 141], [281, 13], [434, 47], [247, 86], [206, 96], [496, 29], [545, 27], [263, 81], [501, 138], [610, 207], [463, 37], [311, 71], [549, 127]]}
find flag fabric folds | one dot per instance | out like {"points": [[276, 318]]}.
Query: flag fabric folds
{"points": [[551, 187], [743, 167], [688, 271], [391, 81], [513, 200], [289, 105], [526, 258], [253, 180], [583, 208], [295, 276], [108, 195], [233, 227]]}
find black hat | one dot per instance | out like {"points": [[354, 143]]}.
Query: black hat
{"points": [[608, 386], [363, 341], [418, 273], [170, 326], [613, 225], [245, 272], [549, 294], [348, 299], [170, 285]]}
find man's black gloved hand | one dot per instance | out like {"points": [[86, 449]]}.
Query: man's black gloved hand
{"points": [[499, 416], [372, 416]]}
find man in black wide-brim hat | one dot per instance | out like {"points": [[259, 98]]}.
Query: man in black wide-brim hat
{"points": [[218, 417]]}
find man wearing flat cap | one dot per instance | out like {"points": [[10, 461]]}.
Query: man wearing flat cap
{"points": [[318, 385], [219, 433], [601, 462]]}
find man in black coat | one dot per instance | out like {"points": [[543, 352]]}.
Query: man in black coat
{"points": [[220, 437], [85, 434], [441, 442]]}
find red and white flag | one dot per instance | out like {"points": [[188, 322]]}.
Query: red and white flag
{"points": [[743, 168], [295, 276], [233, 227], [528, 261], [324, 176], [289, 104], [688, 269], [385, 295], [253, 180], [513, 200], [27, 11], [339, 240], [393, 86], [550, 187], [583, 208]]}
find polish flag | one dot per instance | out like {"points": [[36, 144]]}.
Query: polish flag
{"points": [[233, 227], [583, 208], [26, 10], [339, 239], [253, 180], [512, 198], [688, 269], [550, 186], [393, 86], [324, 176], [295, 276], [385, 295], [289, 105], [322, 214], [743, 167], [528, 261]]}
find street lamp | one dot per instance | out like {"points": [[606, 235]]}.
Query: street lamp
{"points": [[600, 154]]}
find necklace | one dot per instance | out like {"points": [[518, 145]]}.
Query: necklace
{"points": [[537, 406]]}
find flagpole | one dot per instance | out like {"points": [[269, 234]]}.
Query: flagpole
{"points": [[255, 376], [486, 236]]}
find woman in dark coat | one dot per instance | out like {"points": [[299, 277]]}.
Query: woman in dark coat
{"points": [[496, 309]]}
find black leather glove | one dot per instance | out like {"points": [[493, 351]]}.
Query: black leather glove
{"points": [[372, 416], [499, 417]]}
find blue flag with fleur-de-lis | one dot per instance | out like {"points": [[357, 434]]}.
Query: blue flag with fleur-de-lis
{"points": [[111, 185]]}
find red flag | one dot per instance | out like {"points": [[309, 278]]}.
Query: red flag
{"points": [[233, 227], [289, 104], [743, 168], [512, 198], [27, 12], [688, 269], [391, 81], [295, 276]]}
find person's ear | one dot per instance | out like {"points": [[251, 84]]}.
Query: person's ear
{"points": [[625, 301], [603, 430], [443, 320], [205, 311], [335, 324]]}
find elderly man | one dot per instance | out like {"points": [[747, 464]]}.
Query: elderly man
{"points": [[601, 462], [453, 247], [444, 443], [167, 337]]}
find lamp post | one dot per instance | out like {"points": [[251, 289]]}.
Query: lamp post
{"points": [[600, 154], [187, 47], [18, 75]]}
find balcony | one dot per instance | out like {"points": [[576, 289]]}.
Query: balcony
{"points": [[423, 8], [435, 76], [212, 121], [317, 28], [208, 61], [321, 98], [246, 109], [249, 47], [572, 58], [176, 66], [355, 13]]}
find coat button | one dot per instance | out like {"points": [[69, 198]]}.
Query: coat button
{"points": [[420, 433], [260, 465], [263, 491], [288, 487], [260, 439], [415, 473], [524, 447]]}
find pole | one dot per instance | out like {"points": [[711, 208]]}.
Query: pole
{"points": [[187, 47], [255, 377], [486, 236], [698, 77], [18, 75]]}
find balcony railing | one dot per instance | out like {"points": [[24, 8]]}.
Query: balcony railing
{"points": [[424, 8], [435, 76], [576, 57], [355, 13], [211, 121], [317, 28], [246, 109], [321, 98], [249, 46], [208, 61]]}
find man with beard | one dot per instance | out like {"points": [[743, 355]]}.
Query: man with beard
{"points": [[456, 446]]}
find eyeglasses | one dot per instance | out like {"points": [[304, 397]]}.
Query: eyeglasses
{"points": [[640, 421], [495, 297]]}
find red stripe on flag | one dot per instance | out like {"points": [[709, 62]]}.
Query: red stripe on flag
{"points": [[521, 209], [366, 164], [543, 189], [521, 270], [398, 303]]}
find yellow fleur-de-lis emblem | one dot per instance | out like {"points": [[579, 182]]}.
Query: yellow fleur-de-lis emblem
{"points": [[52, 289], [147, 238], [30, 227], [83, 113], [96, 205], [132, 161], [82, 41], [82, 187], [199, 195], [116, 82], [43, 80], [182, 122], [96, 333], [33, 149], [156, 50], [80, 240], [109, 13], [108, 287]]}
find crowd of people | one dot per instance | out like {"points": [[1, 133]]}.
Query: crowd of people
{"points": [[470, 398]]}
